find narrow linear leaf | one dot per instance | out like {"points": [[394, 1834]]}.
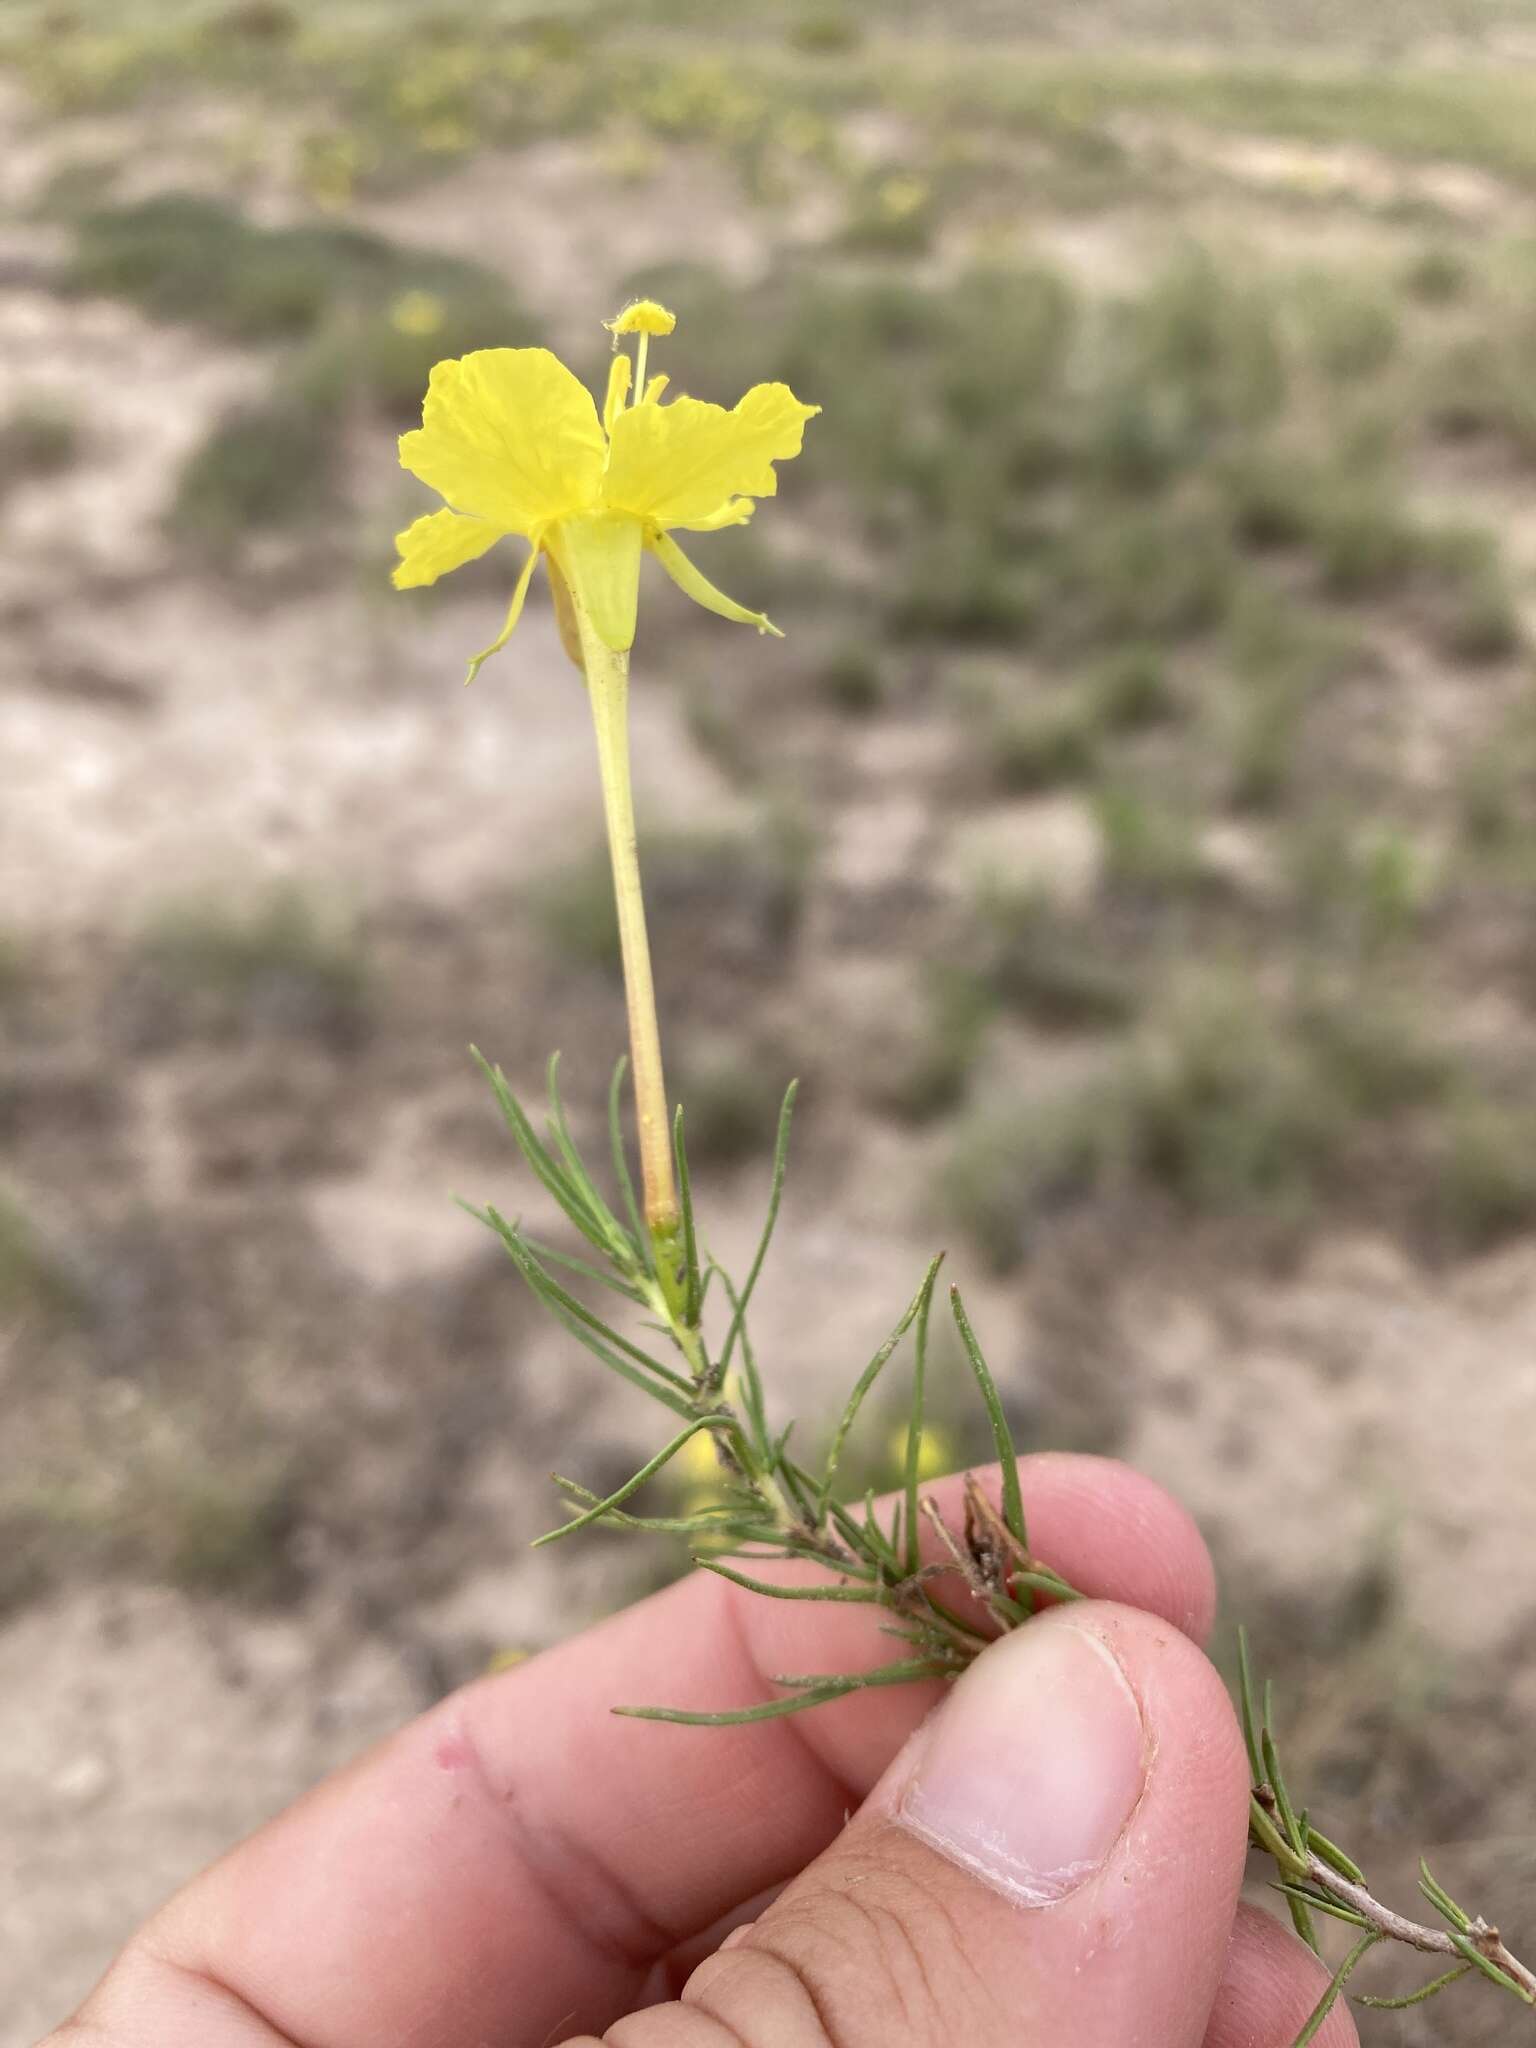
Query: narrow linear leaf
{"points": [[573, 1265], [543, 1162], [584, 1329], [692, 1289], [1294, 1833], [917, 1421], [632, 1485], [1246, 1705], [1418, 1997], [511, 1237], [1002, 1435], [811, 1693], [867, 1378], [1441, 1899], [1490, 1970], [1321, 1903], [621, 1173], [1334, 1856], [775, 1196], [576, 1166], [1047, 1583], [751, 1381], [1270, 1839], [864, 1595], [1330, 1997]]}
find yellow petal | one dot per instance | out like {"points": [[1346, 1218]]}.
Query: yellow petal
{"points": [[599, 557], [619, 373], [514, 613], [642, 316], [438, 542], [672, 464], [734, 512], [702, 591], [510, 435]]}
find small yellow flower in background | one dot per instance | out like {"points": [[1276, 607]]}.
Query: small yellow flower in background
{"points": [[901, 196], [512, 440], [935, 1456], [505, 1660], [642, 316], [417, 313]]}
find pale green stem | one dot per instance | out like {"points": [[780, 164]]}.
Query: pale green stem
{"points": [[608, 687]]}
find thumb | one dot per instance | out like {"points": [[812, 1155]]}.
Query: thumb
{"points": [[1054, 1858]]}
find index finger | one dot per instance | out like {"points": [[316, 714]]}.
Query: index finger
{"points": [[513, 1866]]}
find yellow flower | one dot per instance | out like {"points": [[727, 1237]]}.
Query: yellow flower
{"points": [[512, 440], [417, 313]]}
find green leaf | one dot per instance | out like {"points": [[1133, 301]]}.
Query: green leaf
{"points": [[546, 1167], [1002, 1435], [1330, 1997], [1246, 1704], [1333, 1855], [1490, 1970], [751, 1380], [916, 1422], [1321, 1903], [865, 1595], [809, 1692], [576, 1168], [692, 1288], [1441, 1899], [775, 1196], [867, 1379], [588, 1329], [1418, 1997], [596, 1512], [508, 1232], [621, 1174]]}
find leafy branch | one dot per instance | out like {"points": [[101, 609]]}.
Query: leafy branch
{"points": [[943, 1601]]}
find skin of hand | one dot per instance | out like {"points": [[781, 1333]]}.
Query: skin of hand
{"points": [[1046, 1853]]}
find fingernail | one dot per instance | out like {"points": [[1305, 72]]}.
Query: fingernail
{"points": [[1033, 1766]]}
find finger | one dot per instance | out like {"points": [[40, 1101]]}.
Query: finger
{"points": [[1271, 1985], [516, 1862], [1056, 1858]]}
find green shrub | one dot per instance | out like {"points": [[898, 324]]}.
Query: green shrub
{"points": [[280, 964], [269, 464]]}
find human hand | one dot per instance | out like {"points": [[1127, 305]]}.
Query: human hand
{"points": [[1050, 1859]]}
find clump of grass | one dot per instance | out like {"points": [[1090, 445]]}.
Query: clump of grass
{"points": [[733, 897], [1131, 689], [1149, 845], [732, 1099], [1281, 657], [183, 256], [223, 1530], [38, 438], [1058, 970], [1436, 275], [852, 679], [1039, 745], [34, 1279], [268, 465], [893, 212], [927, 1070], [281, 965], [1227, 1105], [1349, 331], [826, 31], [1485, 1180]]}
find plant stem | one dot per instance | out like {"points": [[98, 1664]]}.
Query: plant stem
{"points": [[608, 687], [1433, 1941]]}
